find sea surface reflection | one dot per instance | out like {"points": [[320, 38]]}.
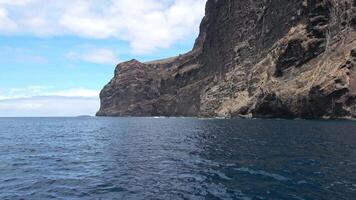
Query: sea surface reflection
{"points": [[176, 158]]}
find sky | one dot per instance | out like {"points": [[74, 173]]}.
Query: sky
{"points": [[56, 55]]}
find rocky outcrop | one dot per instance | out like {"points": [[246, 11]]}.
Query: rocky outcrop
{"points": [[274, 58]]}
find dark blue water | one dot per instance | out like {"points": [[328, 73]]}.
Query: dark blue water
{"points": [[146, 158]]}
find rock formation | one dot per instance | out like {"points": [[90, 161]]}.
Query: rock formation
{"points": [[260, 58]]}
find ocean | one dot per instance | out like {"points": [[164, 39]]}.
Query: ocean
{"points": [[176, 158]]}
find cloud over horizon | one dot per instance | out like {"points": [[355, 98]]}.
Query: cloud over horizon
{"points": [[147, 25], [35, 101], [49, 106]]}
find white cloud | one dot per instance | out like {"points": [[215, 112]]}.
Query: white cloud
{"points": [[41, 101], [146, 24], [3, 97], [6, 24], [23, 92], [80, 20], [15, 2], [98, 56], [48, 106]]}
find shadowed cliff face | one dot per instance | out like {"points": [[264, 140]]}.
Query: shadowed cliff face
{"points": [[258, 58]]}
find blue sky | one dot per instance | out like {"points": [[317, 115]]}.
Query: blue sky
{"points": [[55, 56]]}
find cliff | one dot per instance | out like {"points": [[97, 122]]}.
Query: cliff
{"points": [[274, 58]]}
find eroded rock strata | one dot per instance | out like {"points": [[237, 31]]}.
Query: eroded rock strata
{"points": [[260, 58]]}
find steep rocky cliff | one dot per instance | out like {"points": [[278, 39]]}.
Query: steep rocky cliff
{"points": [[260, 58]]}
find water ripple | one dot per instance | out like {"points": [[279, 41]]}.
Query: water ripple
{"points": [[175, 158], [262, 173]]}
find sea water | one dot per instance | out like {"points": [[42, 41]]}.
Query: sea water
{"points": [[176, 158]]}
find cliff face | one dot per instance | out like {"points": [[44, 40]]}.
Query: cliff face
{"points": [[261, 58]]}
